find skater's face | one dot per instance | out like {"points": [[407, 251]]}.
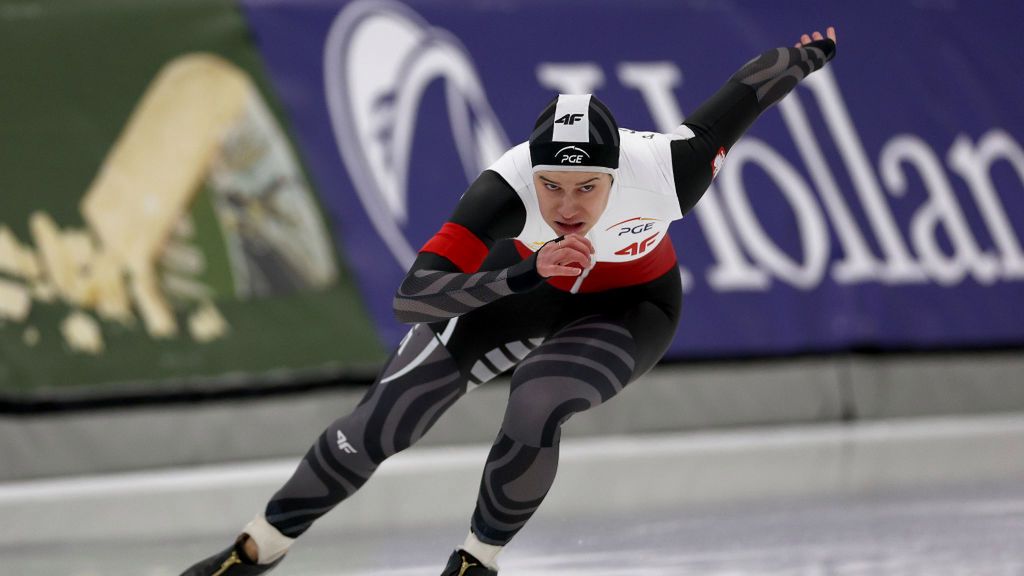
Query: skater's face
{"points": [[572, 202]]}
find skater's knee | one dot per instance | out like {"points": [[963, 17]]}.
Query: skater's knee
{"points": [[420, 382], [536, 419], [365, 440], [347, 443]]}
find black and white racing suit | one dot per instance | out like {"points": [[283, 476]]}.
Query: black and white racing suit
{"points": [[480, 308]]}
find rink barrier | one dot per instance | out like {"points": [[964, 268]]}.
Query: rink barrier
{"points": [[669, 399], [597, 476]]}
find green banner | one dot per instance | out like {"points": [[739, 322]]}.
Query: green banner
{"points": [[156, 224]]}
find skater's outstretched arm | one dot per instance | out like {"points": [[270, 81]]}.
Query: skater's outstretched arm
{"points": [[443, 281], [720, 121]]}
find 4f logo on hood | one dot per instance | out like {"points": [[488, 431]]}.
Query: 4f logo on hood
{"points": [[569, 119], [572, 155]]}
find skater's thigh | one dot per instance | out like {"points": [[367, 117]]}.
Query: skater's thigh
{"points": [[598, 353], [647, 313], [652, 328], [492, 339]]}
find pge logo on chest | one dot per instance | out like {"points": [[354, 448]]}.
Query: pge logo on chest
{"points": [[637, 229], [633, 226]]}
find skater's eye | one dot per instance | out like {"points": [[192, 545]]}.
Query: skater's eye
{"points": [[586, 188], [551, 186]]}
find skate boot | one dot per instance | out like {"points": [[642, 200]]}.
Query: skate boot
{"points": [[230, 562], [463, 563]]}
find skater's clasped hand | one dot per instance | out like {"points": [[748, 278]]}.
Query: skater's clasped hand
{"points": [[567, 257]]}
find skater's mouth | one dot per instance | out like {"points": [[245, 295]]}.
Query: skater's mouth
{"points": [[568, 227]]}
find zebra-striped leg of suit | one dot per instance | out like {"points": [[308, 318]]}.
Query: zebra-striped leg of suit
{"points": [[578, 367], [419, 383]]}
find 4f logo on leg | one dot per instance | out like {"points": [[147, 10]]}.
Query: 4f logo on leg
{"points": [[569, 119], [343, 444]]}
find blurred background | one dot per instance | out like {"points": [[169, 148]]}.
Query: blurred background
{"points": [[206, 207]]}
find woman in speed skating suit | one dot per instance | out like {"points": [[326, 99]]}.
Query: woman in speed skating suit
{"points": [[557, 263]]}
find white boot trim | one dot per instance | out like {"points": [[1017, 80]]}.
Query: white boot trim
{"points": [[269, 541]]}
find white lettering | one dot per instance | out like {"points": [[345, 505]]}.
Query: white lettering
{"points": [[900, 267], [941, 209], [974, 164], [571, 77], [655, 82], [858, 264], [731, 271], [944, 247], [811, 223]]}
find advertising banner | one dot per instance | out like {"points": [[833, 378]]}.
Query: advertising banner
{"points": [[156, 222], [879, 206]]}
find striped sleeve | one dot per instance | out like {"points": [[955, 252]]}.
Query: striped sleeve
{"points": [[433, 295], [444, 282], [776, 72], [701, 143]]}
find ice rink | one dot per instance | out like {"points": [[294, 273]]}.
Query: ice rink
{"points": [[930, 497]]}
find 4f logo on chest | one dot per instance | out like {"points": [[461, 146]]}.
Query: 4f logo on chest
{"points": [[569, 119], [638, 247]]}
